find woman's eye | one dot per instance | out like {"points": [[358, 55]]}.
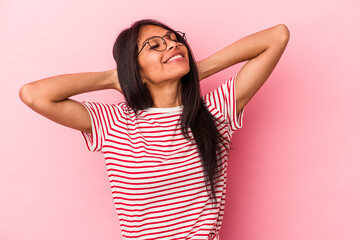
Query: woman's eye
{"points": [[154, 46]]}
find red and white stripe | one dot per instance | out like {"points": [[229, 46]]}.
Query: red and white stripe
{"points": [[155, 174]]}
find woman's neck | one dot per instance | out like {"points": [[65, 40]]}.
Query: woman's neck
{"points": [[166, 95]]}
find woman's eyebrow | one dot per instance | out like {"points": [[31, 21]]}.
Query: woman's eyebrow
{"points": [[167, 33]]}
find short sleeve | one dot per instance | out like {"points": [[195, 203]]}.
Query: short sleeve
{"points": [[99, 123], [223, 101]]}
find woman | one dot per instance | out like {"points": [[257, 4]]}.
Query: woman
{"points": [[166, 147]]}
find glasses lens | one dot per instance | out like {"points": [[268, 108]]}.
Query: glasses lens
{"points": [[173, 37], [157, 43], [176, 38], [182, 36]]}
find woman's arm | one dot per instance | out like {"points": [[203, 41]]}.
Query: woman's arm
{"points": [[263, 50], [49, 96]]}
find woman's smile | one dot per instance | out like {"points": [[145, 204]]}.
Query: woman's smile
{"points": [[178, 56]]}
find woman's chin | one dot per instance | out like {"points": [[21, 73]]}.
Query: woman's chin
{"points": [[177, 72]]}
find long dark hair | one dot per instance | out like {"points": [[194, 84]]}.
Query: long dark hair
{"points": [[195, 114]]}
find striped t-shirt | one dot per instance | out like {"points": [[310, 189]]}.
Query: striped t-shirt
{"points": [[155, 174]]}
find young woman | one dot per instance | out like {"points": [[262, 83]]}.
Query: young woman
{"points": [[166, 147]]}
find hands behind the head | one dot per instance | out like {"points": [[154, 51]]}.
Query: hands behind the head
{"points": [[115, 80]]}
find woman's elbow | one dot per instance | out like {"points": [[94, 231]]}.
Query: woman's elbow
{"points": [[25, 94], [283, 32], [30, 96]]}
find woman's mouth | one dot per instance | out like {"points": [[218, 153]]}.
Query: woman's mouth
{"points": [[175, 58]]}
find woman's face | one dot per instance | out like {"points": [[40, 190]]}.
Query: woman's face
{"points": [[158, 67]]}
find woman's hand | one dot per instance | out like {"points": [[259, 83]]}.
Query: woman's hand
{"points": [[115, 80]]}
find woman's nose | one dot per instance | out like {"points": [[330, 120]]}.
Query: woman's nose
{"points": [[171, 44]]}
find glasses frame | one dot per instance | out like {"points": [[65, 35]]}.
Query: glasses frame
{"points": [[177, 33]]}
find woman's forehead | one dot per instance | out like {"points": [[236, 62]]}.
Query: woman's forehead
{"points": [[149, 31]]}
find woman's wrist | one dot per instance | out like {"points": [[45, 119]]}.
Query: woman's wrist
{"points": [[113, 80], [206, 68]]}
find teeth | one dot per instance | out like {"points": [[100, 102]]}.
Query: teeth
{"points": [[174, 57]]}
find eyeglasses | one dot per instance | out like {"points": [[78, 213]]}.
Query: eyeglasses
{"points": [[159, 44]]}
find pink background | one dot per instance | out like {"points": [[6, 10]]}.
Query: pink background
{"points": [[294, 169]]}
